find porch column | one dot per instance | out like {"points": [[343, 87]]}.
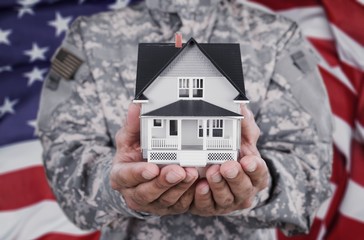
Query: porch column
{"points": [[179, 133], [204, 125], [235, 129], [150, 122]]}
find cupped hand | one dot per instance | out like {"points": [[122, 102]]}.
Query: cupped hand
{"points": [[234, 184], [144, 186]]}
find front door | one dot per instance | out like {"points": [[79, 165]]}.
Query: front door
{"points": [[190, 135]]}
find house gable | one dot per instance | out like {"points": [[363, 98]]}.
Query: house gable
{"points": [[191, 62], [225, 58]]}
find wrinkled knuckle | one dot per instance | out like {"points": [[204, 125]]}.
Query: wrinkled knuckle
{"points": [[166, 202], [247, 203], [180, 208], [160, 185], [133, 205], [227, 202], [141, 198], [248, 190]]}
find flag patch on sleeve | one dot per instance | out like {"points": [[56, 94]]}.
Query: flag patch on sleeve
{"points": [[65, 64]]}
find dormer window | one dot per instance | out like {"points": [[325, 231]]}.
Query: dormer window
{"points": [[190, 88]]}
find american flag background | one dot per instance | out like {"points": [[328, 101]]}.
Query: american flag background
{"points": [[31, 30]]}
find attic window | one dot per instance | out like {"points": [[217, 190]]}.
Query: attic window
{"points": [[190, 88]]}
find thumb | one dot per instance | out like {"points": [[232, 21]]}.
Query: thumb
{"points": [[130, 133], [250, 131]]}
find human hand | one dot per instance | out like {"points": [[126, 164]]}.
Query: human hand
{"points": [[144, 186], [233, 185]]}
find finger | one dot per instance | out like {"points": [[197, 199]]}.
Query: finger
{"points": [[130, 133], [184, 202], [169, 176], [203, 203], [172, 196], [220, 190], [257, 170], [239, 183], [250, 131], [128, 175]]}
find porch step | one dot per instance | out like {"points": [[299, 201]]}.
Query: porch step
{"points": [[192, 158]]}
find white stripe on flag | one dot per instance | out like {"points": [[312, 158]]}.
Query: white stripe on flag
{"points": [[35, 221], [349, 50], [352, 206], [312, 21], [20, 155], [359, 136], [342, 138]]}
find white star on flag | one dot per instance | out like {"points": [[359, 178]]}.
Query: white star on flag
{"points": [[60, 23], [28, 2], [4, 36], [36, 53], [25, 10], [35, 75], [33, 124], [8, 106], [118, 4], [6, 68]]}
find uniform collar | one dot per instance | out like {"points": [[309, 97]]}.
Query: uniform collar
{"points": [[193, 17], [183, 7]]}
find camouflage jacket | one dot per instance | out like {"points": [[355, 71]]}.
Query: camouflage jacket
{"points": [[79, 117]]}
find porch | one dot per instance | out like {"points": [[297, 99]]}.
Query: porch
{"points": [[173, 143]]}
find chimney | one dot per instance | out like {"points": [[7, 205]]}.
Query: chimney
{"points": [[178, 40]]}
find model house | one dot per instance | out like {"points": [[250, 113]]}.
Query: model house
{"points": [[190, 95]]}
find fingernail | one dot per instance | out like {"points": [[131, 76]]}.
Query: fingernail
{"points": [[173, 177], [205, 189], [216, 178], [189, 177], [148, 175], [251, 165], [232, 173]]}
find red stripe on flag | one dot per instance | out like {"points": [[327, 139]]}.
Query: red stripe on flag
{"points": [[357, 162], [355, 76], [24, 187], [60, 236], [327, 49], [283, 5], [346, 228], [348, 16], [360, 105], [342, 100]]}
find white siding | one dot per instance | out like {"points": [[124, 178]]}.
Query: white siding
{"points": [[190, 63]]}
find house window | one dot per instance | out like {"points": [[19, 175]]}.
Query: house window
{"points": [[200, 128], [217, 128], [173, 128], [184, 88], [197, 88], [157, 123], [190, 88]]}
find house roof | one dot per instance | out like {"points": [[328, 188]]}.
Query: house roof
{"points": [[191, 108], [153, 58]]}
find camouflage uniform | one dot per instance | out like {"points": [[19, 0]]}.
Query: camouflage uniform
{"points": [[79, 118]]}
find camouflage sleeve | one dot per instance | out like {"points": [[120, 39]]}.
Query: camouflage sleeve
{"points": [[296, 142], [78, 150]]}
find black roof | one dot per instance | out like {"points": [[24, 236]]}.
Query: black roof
{"points": [[153, 58], [191, 108]]}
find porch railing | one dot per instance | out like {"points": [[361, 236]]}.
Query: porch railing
{"points": [[164, 143], [216, 143]]}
